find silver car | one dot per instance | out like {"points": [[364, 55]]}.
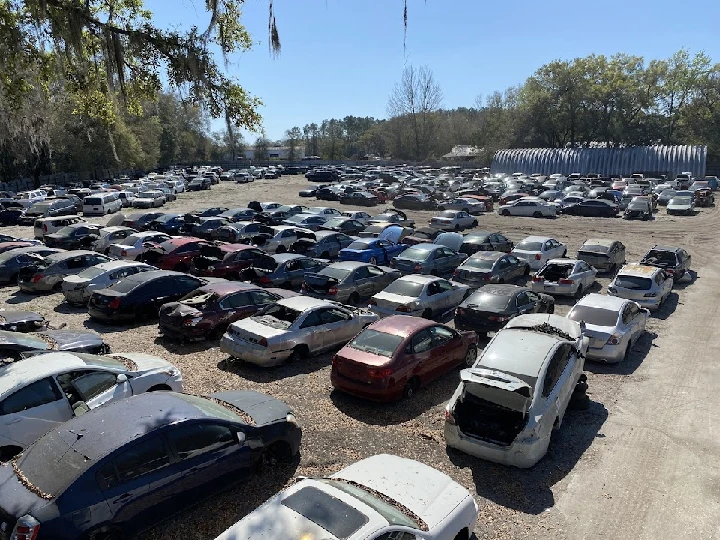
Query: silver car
{"points": [[649, 286], [564, 277], [509, 403], [149, 199], [602, 254], [283, 239], [469, 205], [292, 329], [43, 391], [612, 324], [348, 281], [424, 296], [453, 220], [47, 275], [78, 289], [110, 235], [136, 244]]}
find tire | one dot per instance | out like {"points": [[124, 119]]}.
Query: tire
{"points": [[457, 227], [160, 388], [373, 260], [470, 356], [579, 291], [427, 314], [410, 388], [505, 212], [280, 250], [537, 215], [181, 267], [298, 353], [527, 270], [579, 403], [551, 308], [474, 223], [9, 452], [106, 533], [354, 299]]}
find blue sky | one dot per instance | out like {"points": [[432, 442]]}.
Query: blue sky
{"points": [[342, 57]]}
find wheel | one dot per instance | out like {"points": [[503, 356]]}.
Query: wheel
{"points": [[427, 314], [298, 353], [474, 223], [280, 249], [564, 254], [181, 267], [628, 351], [9, 452], [505, 212], [537, 214], [462, 535], [160, 388], [470, 356], [579, 291], [325, 255], [354, 298], [457, 227], [373, 260], [410, 389]]}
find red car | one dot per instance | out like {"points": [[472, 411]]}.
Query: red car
{"points": [[229, 260], [394, 357], [175, 254]]}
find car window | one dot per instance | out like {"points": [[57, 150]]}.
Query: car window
{"points": [[512, 259], [262, 297], [374, 271], [440, 335], [184, 283], [236, 300], [36, 394], [329, 316], [361, 273], [75, 263], [626, 314], [142, 458], [556, 367], [195, 439], [444, 286], [421, 342], [312, 319], [94, 383], [522, 299]]}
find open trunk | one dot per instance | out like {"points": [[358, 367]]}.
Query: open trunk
{"points": [[319, 283], [555, 272], [302, 246]]}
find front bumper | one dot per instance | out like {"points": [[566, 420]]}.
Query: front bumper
{"points": [[387, 312], [521, 453], [185, 333], [254, 354]]}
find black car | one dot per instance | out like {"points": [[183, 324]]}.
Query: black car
{"points": [[488, 309], [198, 184], [14, 345], [638, 210], [592, 208], [141, 221], [167, 223], [139, 297], [485, 241], [11, 213], [206, 226], [327, 194], [75, 236], [414, 202], [359, 198], [344, 225], [675, 261], [326, 244], [322, 175], [272, 217], [118, 469], [490, 267], [191, 218]]}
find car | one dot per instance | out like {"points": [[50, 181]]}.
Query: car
{"points": [[325, 211], [528, 206], [412, 201], [242, 231], [141, 221], [138, 297], [647, 285], [490, 267], [11, 215], [564, 277], [286, 270], [16, 346], [613, 325], [438, 258], [424, 296], [281, 238], [199, 183], [325, 245], [194, 217], [204, 227], [391, 217], [42, 391], [396, 356], [47, 274], [78, 288], [110, 235], [206, 312], [362, 217], [704, 197], [603, 254], [469, 205], [228, 260], [21, 321], [13, 261], [665, 196], [508, 404], [422, 235], [135, 245], [383, 497], [592, 208], [75, 236], [307, 192], [46, 208], [453, 220], [681, 206], [489, 308], [485, 241], [177, 253], [238, 214], [344, 225], [537, 250], [378, 250], [675, 261], [360, 198], [638, 209], [142, 459], [348, 281], [292, 329], [272, 217], [149, 199], [170, 224]]}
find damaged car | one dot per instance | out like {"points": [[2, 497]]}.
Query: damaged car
{"points": [[16, 345], [285, 271], [348, 281], [606, 255], [325, 245], [420, 296], [21, 321], [564, 277]]}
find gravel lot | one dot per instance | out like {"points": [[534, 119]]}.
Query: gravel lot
{"points": [[610, 470]]}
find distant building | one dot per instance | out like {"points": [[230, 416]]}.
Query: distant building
{"points": [[463, 152], [277, 152]]}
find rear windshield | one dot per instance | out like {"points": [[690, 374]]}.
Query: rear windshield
{"points": [[359, 246], [592, 248], [662, 257], [337, 273], [405, 288], [91, 272], [633, 283], [488, 301], [594, 315], [338, 518], [124, 285], [479, 263], [375, 342], [415, 254], [92, 201], [530, 246]]}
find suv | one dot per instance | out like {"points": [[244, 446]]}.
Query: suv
{"points": [[675, 261], [649, 286]]}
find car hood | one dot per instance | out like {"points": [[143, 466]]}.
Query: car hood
{"points": [[11, 317], [144, 362], [497, 387], [263, 326], [76, 280], [262, 408], [392, 233], [68, 340]]}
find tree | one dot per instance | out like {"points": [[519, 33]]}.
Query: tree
{"points": [[293, 137], [262, 144], [417, 96]]}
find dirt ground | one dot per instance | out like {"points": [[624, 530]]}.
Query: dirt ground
{"points": [[642, 462]]}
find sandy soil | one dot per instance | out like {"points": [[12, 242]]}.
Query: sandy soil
{"points": [[640, 463]]}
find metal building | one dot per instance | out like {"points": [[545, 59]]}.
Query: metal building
{"points": [[669, 160]]}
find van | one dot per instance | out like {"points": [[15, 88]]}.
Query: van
{"points": [[100, 204], [50, 225]]}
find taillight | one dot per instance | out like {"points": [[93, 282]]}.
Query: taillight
{"points": [[460, 311], [264, 280], [449, 417], [115, 303], [498, 318], [37, 277], [379, 373], [44, 228], [566, 282], [332, 290], [418, 268], [263, 342], [538, 256], [335, 360], [403, 309], [372, 302], [27, 528], [537, 279], [123, 253]]}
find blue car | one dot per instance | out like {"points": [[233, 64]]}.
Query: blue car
{"points": [[372, 250], [118, 469]]}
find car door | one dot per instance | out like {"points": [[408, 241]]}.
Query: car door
{"points": [[516, 268], [446, 350], [419, 356], [336, 327], [32, 411], [447, 297], [363, 283], [585, 274], [558, 383]]}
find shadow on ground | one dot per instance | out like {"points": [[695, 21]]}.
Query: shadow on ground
{"points": [[639, 351]]}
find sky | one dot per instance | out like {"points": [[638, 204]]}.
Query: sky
{"points": [[342, 57]]}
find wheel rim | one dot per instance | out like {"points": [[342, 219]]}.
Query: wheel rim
{"points": [[373, 260], [470, 356]]}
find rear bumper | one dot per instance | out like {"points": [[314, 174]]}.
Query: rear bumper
{"points": [[612, 354], [108, 316], [186, 333], [260, 356], [387, 312], [522, 454], [381, 391], [478, 326]]}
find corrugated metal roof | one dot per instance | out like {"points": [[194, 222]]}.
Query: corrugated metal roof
{"points": [[670, 160]]}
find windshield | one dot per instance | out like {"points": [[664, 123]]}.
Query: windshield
{"points": [[633, 283], [415, 254], [594, 315], [526, 245], [481, 263], [680, 200], [91, 272], [146, 194], [488, 301], [375, 342], [209, 408], [335, 222], [402, 287], [124, 285]]}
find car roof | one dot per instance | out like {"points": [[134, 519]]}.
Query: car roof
{"points": [[112, 265], [55, 257], [402, 325], [599, 242], [284, 257], [419, 278], [602, 301], [182, 240], [635, 269], [518, 352], [301, 303], [348, 265], [536, 239], [36, 367], [491, 255], [505, 289], [664, 248]]}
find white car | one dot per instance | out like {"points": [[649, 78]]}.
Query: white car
{"points": [[537, 250], [267, 206], [508, 404], [110, 235], [566, 277], [362, 217], [323, 211], [453, 220], [42, 391], [612, 324], [136, 244], [78, 288], [382, 497], [285, 236], [531, 207], [149, 199], [469, 205], [293, 328], [420, 296], [647, 285]]}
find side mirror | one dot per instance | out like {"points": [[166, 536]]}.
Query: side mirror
{"points": [[241, 437], [121, 378]]}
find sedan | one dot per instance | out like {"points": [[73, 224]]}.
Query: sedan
{"points": [[326, 245], [603, 254], [149, 199], [17, 345], [242, 231], [292, 329], [528, 207], [564, 277], [47, 274], [134, 246], [681, 206], [592, 208], [612, 324], [396, 356], [286, 270], [140, 296], [424, 296], [75, 236], [42, 391], [638, 209], [469, 205], [414, 202], [372, 250], [205, 227], [362, 217], [168, 223], [109, 236], [490, 267], [665, 197], [453, 220], [490, 308], [382, 497], [14, 260], [432, 259], [141, 460], [344, 225], [78, 288], [537, 250], [485, 241], [422, 235], [359, 198], [348, 282], [175, 254], [141, 221], [205, 313]]}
